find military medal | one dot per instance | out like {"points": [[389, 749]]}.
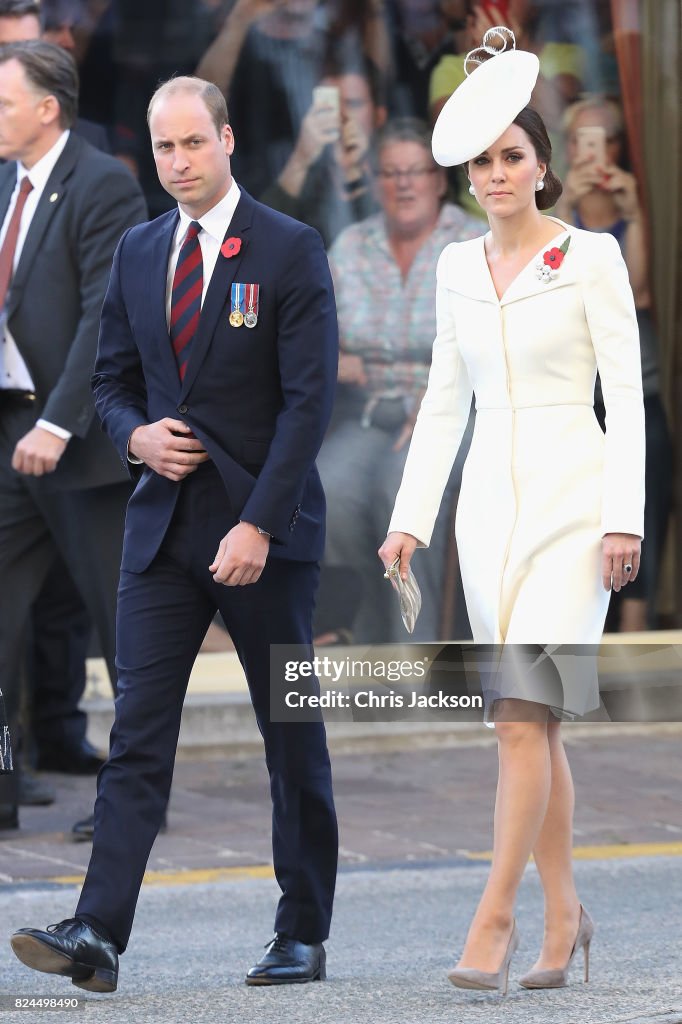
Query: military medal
{"points": [[251, 318], [236, 316]]}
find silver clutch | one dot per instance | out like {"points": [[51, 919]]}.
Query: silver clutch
{"points": [[408, 591]]}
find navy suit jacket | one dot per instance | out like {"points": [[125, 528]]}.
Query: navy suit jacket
{"points": [[259, 399]]}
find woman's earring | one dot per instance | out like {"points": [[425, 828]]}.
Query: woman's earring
{"points": [[539, 185], [472, 190]]}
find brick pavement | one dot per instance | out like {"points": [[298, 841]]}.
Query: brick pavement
{"points": [[395, 806]]}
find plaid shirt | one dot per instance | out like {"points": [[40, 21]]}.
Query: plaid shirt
{"points": [[391, 323]]}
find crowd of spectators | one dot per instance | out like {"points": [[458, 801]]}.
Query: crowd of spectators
{"points": [[331, 102]]}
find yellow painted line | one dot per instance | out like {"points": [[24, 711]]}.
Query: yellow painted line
{"points": [[612, 852], [199, 876], [196, 876]]}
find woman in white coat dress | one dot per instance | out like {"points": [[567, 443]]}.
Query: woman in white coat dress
{"points": [[550, 511]]}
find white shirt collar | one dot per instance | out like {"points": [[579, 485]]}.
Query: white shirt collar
{"points": [[43, 168], [217, 220]]}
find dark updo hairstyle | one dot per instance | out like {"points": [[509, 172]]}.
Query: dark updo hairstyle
{"points": [[534, 127]]}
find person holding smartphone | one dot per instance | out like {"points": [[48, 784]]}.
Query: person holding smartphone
{"points": [[601, 195], [326, 182]]}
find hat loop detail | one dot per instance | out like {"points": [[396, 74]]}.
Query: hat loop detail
{"points": [[488, 49]]}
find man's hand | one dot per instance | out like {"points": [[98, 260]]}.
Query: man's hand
{"points": [[168, 448], [403, 544], [241, 556], [38, 452]]}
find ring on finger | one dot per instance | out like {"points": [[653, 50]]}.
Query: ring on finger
{"points": [[627, 568]]}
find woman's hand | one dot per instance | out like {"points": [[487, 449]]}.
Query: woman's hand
{"points": [[402, 544], [618, 550]]}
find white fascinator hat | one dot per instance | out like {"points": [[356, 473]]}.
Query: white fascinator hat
{"points": [[497, 89]]}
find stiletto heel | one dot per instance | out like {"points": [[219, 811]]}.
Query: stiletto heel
{"points": [[488, 981], [557, 977]]}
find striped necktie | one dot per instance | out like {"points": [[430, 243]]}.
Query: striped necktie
{"points": [[188, 283], [9, 245]]}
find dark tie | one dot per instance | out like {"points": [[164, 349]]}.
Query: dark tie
{"points": [[188, 283], [10, 243]]}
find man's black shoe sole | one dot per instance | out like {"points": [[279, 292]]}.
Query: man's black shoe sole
{"points": [[45, 958]]}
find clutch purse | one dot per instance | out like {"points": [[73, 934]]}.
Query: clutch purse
{"points": [[408, 591]]}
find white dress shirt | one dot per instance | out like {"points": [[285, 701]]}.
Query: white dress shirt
{"points": [[13, 370], [214, 227]]}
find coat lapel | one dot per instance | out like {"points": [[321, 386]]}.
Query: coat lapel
{"points": [[469, 274], [219, 289], [161, 249], [51, 199], [6, 190], [526, 283]]}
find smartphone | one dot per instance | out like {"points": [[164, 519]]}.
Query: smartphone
{"points": [[496, 10], [327, 96], [591, 144]]}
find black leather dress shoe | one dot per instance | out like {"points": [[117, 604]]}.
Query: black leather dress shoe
{"points": [[70, 948], [289, 962], [84, 830], [73, 759]]}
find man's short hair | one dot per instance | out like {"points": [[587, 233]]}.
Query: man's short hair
{"points": [[19, 9], [211, 95], [50, 70]]}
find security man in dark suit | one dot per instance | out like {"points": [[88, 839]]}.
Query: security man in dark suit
{"points": [[215, 378], [61, 626], [63, 207]]}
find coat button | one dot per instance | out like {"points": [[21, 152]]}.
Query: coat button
{"points": [[183, 409]]}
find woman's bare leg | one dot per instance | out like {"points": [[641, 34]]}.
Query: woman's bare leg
{"points": [[554, 860], [523, 791]]}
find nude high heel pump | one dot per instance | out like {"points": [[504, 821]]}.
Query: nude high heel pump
{"points": [[489, 981], [558, 977]]}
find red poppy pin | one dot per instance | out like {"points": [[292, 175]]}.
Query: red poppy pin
{"points": [[547, 269], [231, 247]]}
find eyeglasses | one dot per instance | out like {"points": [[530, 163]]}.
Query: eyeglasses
{"points": [[411, 174]]}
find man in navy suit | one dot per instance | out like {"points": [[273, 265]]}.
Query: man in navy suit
{"points": [[215, 379]]}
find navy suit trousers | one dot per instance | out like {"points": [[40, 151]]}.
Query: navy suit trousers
{"points": [[163, 615]]}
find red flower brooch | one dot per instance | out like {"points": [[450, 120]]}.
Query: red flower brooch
{"points": [[547, 269], [231, 247]]}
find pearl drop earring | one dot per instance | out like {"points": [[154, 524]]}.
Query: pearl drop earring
{"points": [[539, 185], [472, 190]]}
